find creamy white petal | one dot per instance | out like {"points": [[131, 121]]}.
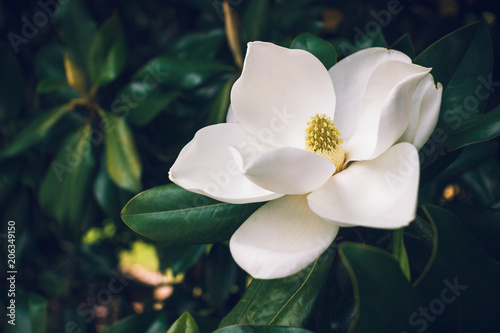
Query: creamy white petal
{"points": [[425, 112], [206, 166], [281, 238], [429, 114], [230, 117], [386, 110], [278, 92], [288, 170], [350, 78], [379, 193]]}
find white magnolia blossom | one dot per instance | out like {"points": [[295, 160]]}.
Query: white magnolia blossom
{"points": [[329, 148]]}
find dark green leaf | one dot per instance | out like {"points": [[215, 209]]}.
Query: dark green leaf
{"points": [[51, 84], [470, 157], [10, 172], [148, 322], [461, 292], [287, 301], [34, 132], [404, 45], [427, 232], [109, 197], [181, 73], [483, 182], [122, 159], [185, 324], [399, 251], [484, 224], [219, 275], [12, 83], [66, 186], [179, 258], [108, 52], [199, 45], [256, 20], [320, 48], [171, 214], [49, 62], [218, 111], [462, 63], [38, 313], [76, 28], [343, 47], [478, 129], [369, 38], [141, 101], [29, 314], [261, 329], [375, 276]]}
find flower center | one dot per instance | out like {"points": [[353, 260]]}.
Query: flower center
{"points": [[323, 138]]}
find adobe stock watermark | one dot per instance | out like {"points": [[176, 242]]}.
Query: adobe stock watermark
{"points": [[380, 19], [121, 107], [31, 27], [425, 315], [470, 105], [126, 102], [102, 298]]}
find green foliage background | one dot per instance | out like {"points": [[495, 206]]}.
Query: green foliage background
{"points": [[144, 77]]}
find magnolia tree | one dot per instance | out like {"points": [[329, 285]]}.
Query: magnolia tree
{"points": [[288, 176]]}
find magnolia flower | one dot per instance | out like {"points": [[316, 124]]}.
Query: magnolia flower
{"points": [[328, 148]]}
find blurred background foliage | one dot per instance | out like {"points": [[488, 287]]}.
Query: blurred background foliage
{"points": [[96, 102]]}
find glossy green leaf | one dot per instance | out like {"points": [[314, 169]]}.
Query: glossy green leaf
{"points": [[141, 100], [50, 84], [108, 52], [181, 73], [199, 45], [12, 83], [461, 292], [122, 159], [320, 48], [399, 251], [76, 28], [64, 190], [404, 45], [218, 111], [256, 20], [287, 301], [261, 329], [34, 132], [173, 215], [185, 324], [376, 276], [462, 63]]}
